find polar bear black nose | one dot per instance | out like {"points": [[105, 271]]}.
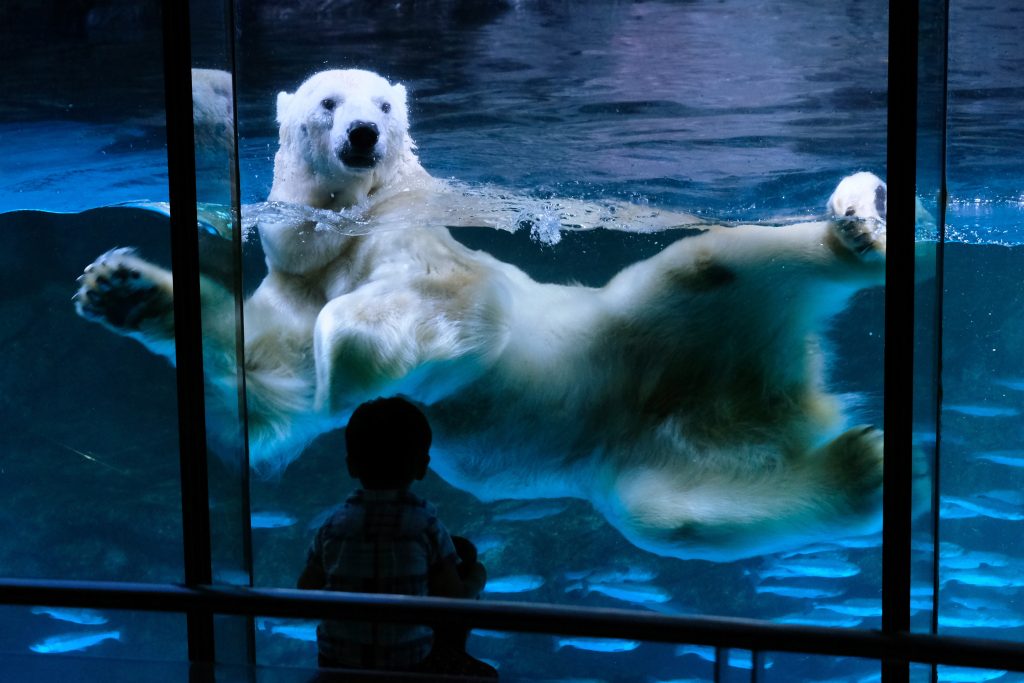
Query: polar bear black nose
{"points": [[363, 135]]}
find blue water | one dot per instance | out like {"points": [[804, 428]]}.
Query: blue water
{"points": [[734, 110]]}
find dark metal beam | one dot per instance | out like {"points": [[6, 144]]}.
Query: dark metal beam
{"points": [[901, 172], [188, 336], [747, 634]]}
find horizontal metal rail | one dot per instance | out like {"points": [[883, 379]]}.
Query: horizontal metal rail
{"points": [[746, 634]]}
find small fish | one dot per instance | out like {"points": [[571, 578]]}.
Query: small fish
{"points": [[305, 631], [972, 559], [487, 543], [823, 567], [73, 642], [738, 659], [636, 593], [635, 573], [1015, 383], [962, 674], [597, 644], [956, 507], [271, 520], [516, 583], [531, 511], [921, 590], [266, 623], [1010, 458], [971, 602], [855, 607], [946, 548], [486, 633], [990, 578], [920, 605], [982, 411], [820, 619], [1010, 496], [975, 619], [75, 615], [800, 592]]}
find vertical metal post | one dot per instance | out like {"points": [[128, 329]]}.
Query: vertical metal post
{"points": [[237, 284], [188, 335], [757, 666], [941, 6], [239, 291], [901, 171]]}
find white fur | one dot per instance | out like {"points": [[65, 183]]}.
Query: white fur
{"points": [[684, 398]]}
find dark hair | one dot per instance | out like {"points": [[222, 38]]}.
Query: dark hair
{"points": [[388, 443]]}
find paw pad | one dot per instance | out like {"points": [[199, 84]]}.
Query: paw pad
{"points": [[113, 291]]}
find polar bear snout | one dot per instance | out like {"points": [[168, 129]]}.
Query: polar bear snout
{"points": [[360, 147]]}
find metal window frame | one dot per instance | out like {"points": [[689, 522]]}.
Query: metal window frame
{"points": [[901, 175], [188, 334], [721, 632]]}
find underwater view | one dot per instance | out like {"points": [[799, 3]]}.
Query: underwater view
{"points": [[596, 134]]}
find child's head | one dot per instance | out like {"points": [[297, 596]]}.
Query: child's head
{"points": [[388, 443]]}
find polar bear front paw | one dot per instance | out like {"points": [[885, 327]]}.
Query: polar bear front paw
{"points": [[127, 294], [857, 211], [864, 238]]}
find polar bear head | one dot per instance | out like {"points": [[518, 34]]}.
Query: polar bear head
{"points": [[344, 135]]}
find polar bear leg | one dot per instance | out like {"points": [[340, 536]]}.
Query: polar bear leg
{"points": [[364, 343], [380, 341], [835, 490]]}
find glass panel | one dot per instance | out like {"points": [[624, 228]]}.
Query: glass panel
{"points": [[927, 304], [785, 666], [577, 140], [982, 507], [88, 428], [220, 264]]}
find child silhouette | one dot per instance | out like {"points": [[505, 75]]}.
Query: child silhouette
{"points": [[385, 539]]}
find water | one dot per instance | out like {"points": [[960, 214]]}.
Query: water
{"points": [[733, 111]]}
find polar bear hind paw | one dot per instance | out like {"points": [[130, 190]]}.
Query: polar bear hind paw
{"points": [[854, 465], [125, 293]]}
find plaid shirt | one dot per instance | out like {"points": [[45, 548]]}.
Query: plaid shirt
{"points": [[379, 542]]}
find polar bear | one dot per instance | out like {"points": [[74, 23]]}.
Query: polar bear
{"points": [[684, 398]]}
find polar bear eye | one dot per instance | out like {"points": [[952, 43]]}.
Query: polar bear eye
{"points": [[385, 107], [328, 104]]}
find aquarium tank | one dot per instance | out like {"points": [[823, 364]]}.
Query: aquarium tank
{"points": [[559, 144]]}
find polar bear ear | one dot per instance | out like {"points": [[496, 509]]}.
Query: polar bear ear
{"points": [[283, 100]]}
